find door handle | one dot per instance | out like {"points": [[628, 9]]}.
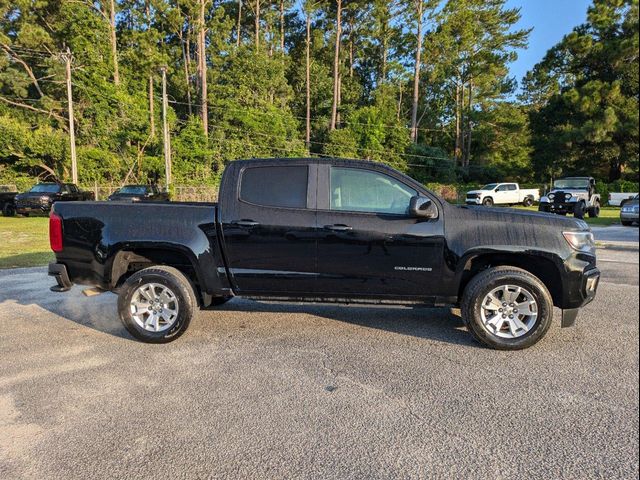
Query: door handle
{"points": [[338, 227], [245, 223]]}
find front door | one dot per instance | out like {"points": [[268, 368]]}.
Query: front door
{"points": [[269, 229], [368, 245]]}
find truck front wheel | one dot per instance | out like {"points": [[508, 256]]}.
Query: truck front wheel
{"points": [[156, 304], [488, 202], [579, 209], [507, 308]]}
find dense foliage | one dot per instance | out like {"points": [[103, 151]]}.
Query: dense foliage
{"points": [[420, 84]]}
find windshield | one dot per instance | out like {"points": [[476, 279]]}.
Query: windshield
{"points": [[490, 186], [571, 183], [133, 190], [46, 188]]}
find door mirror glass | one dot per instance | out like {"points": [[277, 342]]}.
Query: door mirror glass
{"points": [[422, 207]]}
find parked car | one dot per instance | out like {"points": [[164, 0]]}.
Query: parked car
{"points": [[327, 230], [618, 199], [139, 193], [42, 196], [629, 212], [576, 195], [502, 194], [7, 200]]}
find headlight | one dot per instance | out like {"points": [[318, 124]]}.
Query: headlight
{"points": [[44, 199], [581, 241], [551, 196], [567, 196], [627, 209]]}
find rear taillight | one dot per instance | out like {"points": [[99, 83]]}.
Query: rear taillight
{"points": [[55, 232]]}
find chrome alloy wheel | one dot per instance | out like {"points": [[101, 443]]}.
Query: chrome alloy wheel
{"points": [[509, 311], [154, 307]]}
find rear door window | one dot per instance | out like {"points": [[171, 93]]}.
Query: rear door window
{"points": [[275, 186]]}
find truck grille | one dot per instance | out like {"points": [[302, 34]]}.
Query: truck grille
{"points": [[472, 196]]}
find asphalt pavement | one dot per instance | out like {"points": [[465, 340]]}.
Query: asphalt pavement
{"points": [[281, 391]]}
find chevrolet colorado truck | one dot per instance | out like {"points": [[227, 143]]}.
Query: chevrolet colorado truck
{"points": [[326, 230], [502, 194], [40, 198]]}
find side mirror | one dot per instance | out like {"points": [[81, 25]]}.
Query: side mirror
{"points": [[422, 207]]}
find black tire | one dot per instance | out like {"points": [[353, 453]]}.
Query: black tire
{"points": [[579, 209], [486, 281], [528, 202], [179, 285], [9, 210], [594, 212], [488, 202], [544, 208], [626, 223]]}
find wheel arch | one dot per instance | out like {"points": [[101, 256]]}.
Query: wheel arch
{"points": [[133, 258], [541, 264]]}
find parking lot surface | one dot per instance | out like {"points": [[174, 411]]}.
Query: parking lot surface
{"points": [[256, 390]]}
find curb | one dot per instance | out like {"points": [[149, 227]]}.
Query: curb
{"points": [[623, 246]]}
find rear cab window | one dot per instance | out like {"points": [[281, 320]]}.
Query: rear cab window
{"points": [[275, 186]]}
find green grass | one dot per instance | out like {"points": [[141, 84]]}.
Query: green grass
{"points": [[608, 216], [24, 242]]}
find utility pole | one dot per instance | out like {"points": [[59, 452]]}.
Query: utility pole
{"points": [[67, 57], [165, 129]]}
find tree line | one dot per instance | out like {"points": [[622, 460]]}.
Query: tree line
{"points": [[422, 85]]}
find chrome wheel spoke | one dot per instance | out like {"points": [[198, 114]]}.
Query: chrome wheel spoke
{"points": [[493, 303], [519, 325], [496, 322], [527, 308]]}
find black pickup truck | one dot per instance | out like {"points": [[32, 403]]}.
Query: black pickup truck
{"points": [[42, 196], [139, 193], [327, 230]]}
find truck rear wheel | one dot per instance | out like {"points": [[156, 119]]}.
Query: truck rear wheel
{"points": [[527, 202], [157, 304], [507, 308], [594, 212]]}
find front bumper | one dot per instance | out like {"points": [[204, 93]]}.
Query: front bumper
{"points": [[36, 209], [560, 207], [59, 271], [473, 201], [629, 216], [580, 291]]}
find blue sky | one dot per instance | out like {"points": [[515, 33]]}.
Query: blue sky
{"points": [[551, 20]]}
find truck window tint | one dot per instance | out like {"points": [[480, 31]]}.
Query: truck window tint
{"points": [[512, 187], [275, 186], [358, 190]]}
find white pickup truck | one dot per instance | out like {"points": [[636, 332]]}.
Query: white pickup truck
{"points": [[616, 199], [502, 194]]}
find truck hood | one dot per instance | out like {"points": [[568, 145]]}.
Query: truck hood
{"points": [[524, 218], [24, 195]]}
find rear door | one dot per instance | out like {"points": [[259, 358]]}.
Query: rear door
{"points": [[368, 244], [268, 221]]}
